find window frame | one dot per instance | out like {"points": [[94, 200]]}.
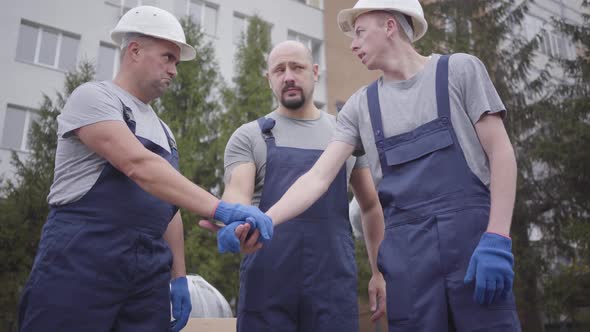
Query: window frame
{"points": [[203, 5], [320, 5], [56, 57], [299, 36], [115, 58], [29, 113]]}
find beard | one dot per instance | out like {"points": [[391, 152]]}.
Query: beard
{"points": [[293, 104]]}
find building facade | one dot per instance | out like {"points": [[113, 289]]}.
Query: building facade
{"points": [[43, 39]]}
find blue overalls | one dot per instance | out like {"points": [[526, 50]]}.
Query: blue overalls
{"points": [[305, 278], [436, 210], [102, 263]]}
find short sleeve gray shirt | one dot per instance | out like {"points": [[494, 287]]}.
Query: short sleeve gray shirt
{"points": [[247, 144], [405, 105], [76, 166]]}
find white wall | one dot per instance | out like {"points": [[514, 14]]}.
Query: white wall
{"points": [[92, 20]]}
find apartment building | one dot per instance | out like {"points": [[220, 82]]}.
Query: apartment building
{"points": [[43, 39]]}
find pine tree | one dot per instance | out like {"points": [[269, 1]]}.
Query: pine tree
{"points": [[250, 96], [248, 99], [24, 208], [561, 147], [192, 111]]}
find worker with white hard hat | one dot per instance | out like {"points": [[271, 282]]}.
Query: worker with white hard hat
{"points": [[432, 130], [111, 254]]}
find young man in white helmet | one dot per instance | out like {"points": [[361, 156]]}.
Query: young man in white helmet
{"points": [[111, 254], [445, 170]]}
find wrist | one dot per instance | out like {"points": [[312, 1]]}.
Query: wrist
{"points": [[272, 216], [176, 275], [376, 274], [492, 240], [223, 212], [215, 207], [500, 234]]}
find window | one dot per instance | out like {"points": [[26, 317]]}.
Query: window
{"points": [[203, 14], [313, 3], [556, 45], [239, 27], [313, 44], [128, 4], [106, 62], [47, 46], [17, 124], [553, 43]]}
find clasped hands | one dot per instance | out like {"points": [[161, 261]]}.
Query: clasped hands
{"points": [[247, 228]]}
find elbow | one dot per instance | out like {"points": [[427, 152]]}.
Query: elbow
{"points": [[136, 169]]}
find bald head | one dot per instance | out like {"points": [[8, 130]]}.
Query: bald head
{"points": [[292, 74], [289, 48]]}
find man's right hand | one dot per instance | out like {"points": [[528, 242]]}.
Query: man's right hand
{"points": [[249, 241], [228, 213]]}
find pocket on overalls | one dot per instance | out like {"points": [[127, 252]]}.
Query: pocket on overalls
{"points": [[343, 290], [419, 169], [252, 278], [55, 239], [407, 253]]}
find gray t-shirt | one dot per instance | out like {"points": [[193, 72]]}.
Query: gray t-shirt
{"points": [[76, 166], [405, 105], [247, 145]]}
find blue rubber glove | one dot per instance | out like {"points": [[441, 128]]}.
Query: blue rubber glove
{"points": [[228, 213], [181, 303], [491, 266], [227, 241]]}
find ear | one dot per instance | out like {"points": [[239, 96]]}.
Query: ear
{"points": [[391, 27], [268, 80], [134, 49], [316, 72]]}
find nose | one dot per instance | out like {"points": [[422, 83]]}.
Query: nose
{"points": [[172, 70], [354, 45], [289, 75]]}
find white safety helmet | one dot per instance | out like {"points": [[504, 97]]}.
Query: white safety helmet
{"points": [[154, 22], [412, 8]]}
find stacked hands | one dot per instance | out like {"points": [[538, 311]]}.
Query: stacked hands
{"points": [[242, 220], [490, 267]]}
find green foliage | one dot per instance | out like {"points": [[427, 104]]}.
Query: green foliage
{"points": [[23, 208], [250, 96], [486, 29], [549, 127], [192, 111], [561, 148]]}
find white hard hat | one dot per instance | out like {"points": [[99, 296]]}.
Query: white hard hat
{"points": [[154, 22], [412, 8]]}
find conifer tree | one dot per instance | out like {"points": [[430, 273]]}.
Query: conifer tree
{"points": [[24, 208]]}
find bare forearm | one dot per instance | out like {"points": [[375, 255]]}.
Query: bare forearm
{"points": [[156, 176], [503, 191], [373, 227], [310, 186], [174, 236], [302, 194]]}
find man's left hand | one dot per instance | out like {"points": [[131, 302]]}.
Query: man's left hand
{"points": [[377, 296], [491, 266], [181, 303]]}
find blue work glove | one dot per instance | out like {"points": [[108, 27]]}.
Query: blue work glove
{"points": [[491, 266], [181, 303], [227, 241], [228, 213]]}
